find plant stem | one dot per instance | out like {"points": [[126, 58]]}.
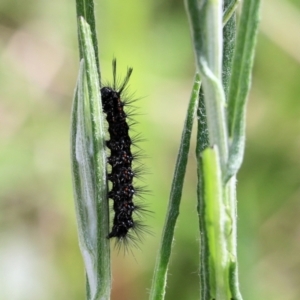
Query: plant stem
{"points": [[216, 202], [85, 9], [216, 261], [206, 27], [237, 96]]}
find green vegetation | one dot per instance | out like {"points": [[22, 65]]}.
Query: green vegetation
{"points": [[39, 64]]}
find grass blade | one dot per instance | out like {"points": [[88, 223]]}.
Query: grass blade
{"points": [[89, 171], [240, 82], [229, 32], [162, 261]]}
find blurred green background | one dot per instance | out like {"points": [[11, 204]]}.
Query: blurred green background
{"points": [[39, 254]]}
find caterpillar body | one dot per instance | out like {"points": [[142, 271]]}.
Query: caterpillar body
{"points": [[122, 173]]}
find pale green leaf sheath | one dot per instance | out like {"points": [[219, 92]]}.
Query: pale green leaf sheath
{"points": [[215, 225]]}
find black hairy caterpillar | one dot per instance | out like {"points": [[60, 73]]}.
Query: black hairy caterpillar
{"points": [[121, 158]]}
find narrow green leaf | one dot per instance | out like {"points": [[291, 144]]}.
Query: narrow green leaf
{"points": [[230, 7], [202, 132], [162, 261], [89, 172], [99, 160], [229, 32], [202, 143], [84, 185], [241, 81]]}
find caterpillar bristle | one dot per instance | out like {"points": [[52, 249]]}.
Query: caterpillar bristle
{"points": [[142, 210], [140, 171], [129, 100]]}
